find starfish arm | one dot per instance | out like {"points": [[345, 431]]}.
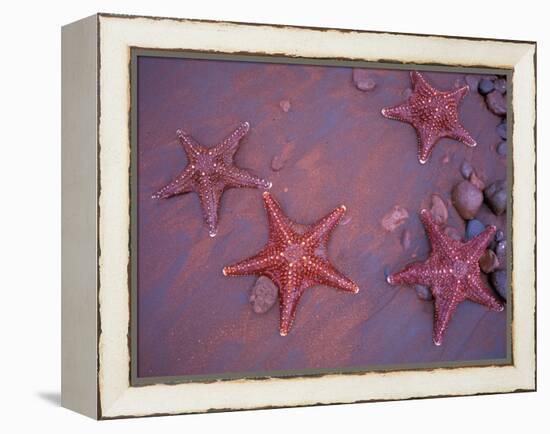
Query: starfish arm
{"points": [[477, 246], [420, 85], [322, 272], [445, 306], [458, 94], [262, 262], [280, 225], [236, 177], [320, 231], [401, 112], [179, 185], [439, 241], [189, 144], [229, 145], [209, 196], [412, 274], [462, 135], [426, 138], [290, 293], [478, 292]]}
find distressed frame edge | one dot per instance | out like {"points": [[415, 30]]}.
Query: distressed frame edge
{"points": [[79, 122], [115, 410]]}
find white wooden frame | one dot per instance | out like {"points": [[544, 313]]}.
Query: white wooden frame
{"points": [[96, 219]]}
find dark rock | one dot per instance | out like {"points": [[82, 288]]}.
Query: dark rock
{"points": [[472, 81], [453, 233], [499, 236], [363, 80], [439, 209], [406, 239], [285, 105], [500, 252], [500, 85], [467, 199], [485, 86], [502, 130], [496, 197], [499, 282], [488, 261], [263, 296], [502, 148], [466, 169], [476, 180], [474, 228], [496, 102], [423, 292]]}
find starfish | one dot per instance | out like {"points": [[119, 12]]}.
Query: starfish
{"points": [[433, 113], [209, 172], [452, 273], [294, 259]]}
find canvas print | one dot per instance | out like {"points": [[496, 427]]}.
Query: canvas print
{"points": [[296, 218]]}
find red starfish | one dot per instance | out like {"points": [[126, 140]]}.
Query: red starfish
{"points": [[433, 113], [209, 172], [294, 259], [452, 273]]}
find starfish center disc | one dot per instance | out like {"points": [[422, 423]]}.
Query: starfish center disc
{"points": [[459, 269], [293, 252], [206, 164]]}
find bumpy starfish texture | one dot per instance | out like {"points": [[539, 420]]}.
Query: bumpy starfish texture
{"points": [[452, 273], [433, 113], [294, 259], [209, 172]]}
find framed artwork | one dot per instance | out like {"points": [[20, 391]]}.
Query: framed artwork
{"points": [[261, 216]]}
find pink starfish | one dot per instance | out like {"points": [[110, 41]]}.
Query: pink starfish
{"points": [[433, 113]]}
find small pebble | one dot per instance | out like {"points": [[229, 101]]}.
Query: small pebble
{"points": [[485, 86], [466, 169], [499, 236], [285, 105], [496, 197], [502, 148], [496, 102], [474, 228], [423, 292], [395, 218], [363, 80], [439, 209], [488, 261], [499, 282], [467, 199], [453, 233], [476, 180], [472, 81], [502, 130], [500, 85], [277, 163], [406, 239], [263, 295], [500, 252]]}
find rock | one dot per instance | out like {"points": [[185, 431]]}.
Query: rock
{"points": [[500, 252], [277, 163], [473, 229], [395, 218], [476, 180], [363, 80], [472, 81], [423, 292], [406, 239], [439, 209], [488, 261], [502, 148], [467, 199], [502, 130], [264, 294], [496, 197], [466, 169], [453, 233], [485, 86], [496, 102], [499, 235], [285, 105], [499, 282], [500, 85]]}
